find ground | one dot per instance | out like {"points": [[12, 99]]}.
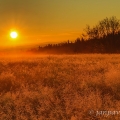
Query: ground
{"points": [[60, 87]]}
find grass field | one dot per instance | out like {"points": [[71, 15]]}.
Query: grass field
{"points": [[60, 87]]}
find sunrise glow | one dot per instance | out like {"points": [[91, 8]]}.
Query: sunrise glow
{"points": [[13, 34]]}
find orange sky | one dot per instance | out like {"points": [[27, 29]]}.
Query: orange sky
{"points": [[47, 21]]}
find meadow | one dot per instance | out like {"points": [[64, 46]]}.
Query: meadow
{"points": [[60, 87]]}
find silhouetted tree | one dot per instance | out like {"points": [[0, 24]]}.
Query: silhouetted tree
{"points": [[105, 27], [102, 38]]}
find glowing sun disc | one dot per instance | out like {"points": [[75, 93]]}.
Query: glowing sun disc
{"points": [[13, 34]]}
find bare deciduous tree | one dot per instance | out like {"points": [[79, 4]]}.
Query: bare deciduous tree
{"points": [[105, 27]]}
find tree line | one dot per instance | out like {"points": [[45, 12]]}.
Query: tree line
{"points": [[104, 37]]}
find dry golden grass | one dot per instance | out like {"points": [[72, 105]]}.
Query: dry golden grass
{"points": [[63, 87]]}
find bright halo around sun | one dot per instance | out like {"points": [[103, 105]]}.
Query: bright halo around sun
{"points": [[13, 34]]}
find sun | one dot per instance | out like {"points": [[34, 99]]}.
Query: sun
{"points": [[13, 34]]}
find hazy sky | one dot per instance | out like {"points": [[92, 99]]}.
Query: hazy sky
{"points": [[41, 21]]}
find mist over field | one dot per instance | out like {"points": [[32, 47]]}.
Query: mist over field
{"points": [[59, 60], [60, 87]]}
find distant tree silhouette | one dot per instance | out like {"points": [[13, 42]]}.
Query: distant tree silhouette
{"points": [[102, 38], [105, 27]]}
